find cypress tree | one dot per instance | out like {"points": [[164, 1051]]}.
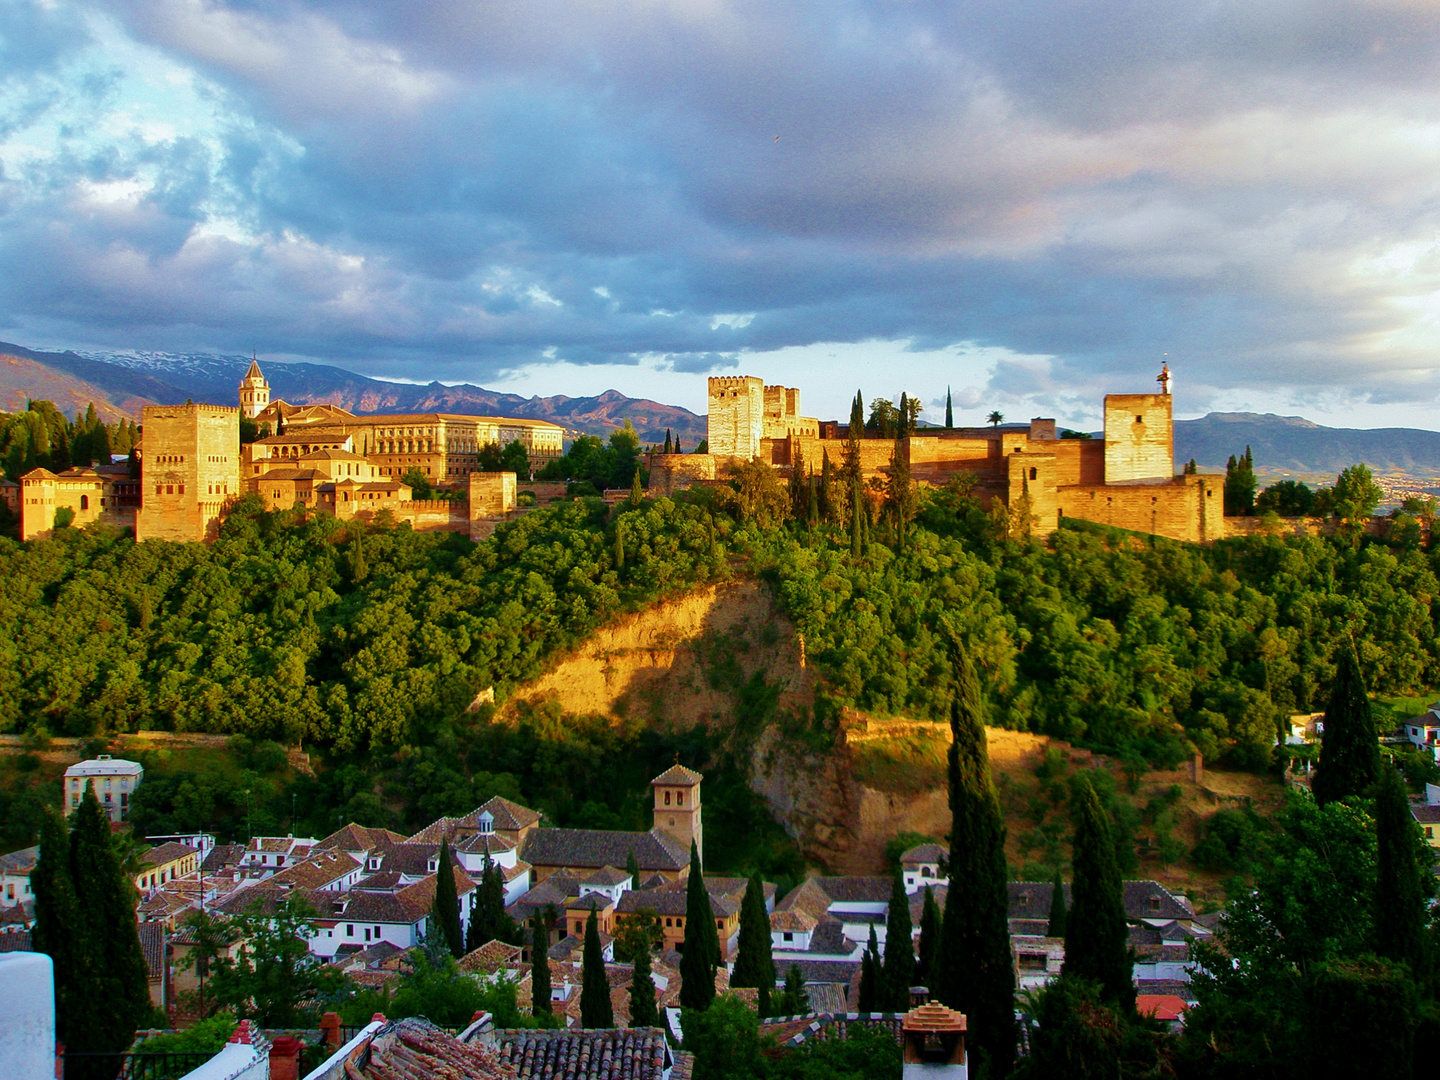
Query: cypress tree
{"points": [[929, 939], [1095, 938], [677, 445], [949, 411], [898, 974], [667, 441], [619, 547], [637, 493], [857, 417], [643, 1012], [1057, 908], [1349, 751], [827, 489], [856, 525], [632, 867], [119, 994], [488, 921], [1399, 895], [871, 974], [754, 963], [539, 965], [975, 970], [595, 1011], [57, 918], [812, 509], [697, 968], [445, 907]]}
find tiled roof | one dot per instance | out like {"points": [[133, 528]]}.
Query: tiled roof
{"points": [[222, 855], [828, 939], [166, 853], [796, 921], [104, 767], [22, 914], [414, 1047], [820, 971], [15, 941], [1183, 990], [924, 853], [678, 776], [1161, 1006], [670, 898], [796, 1030], [856, 890], [386, 881], [20, 862], [490, 957], [410, 858], [317, 871], [807, 897], [1426, 815], [270, 844], [355, 837], [437, 830], [606, 877], [917, 901], [1143, 900], [507, 815], [594, 848], [152, 944], [606, 1054], [485, 843]]}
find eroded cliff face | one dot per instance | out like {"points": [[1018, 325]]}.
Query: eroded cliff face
{"points": [[725, 657]]}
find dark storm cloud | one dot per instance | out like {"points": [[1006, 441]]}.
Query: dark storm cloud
{"points": [[457, 188]]}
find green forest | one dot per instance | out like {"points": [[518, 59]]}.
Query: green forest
{"points": [[368, 645]]}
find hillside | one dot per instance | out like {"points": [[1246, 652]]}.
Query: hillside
{"points": [[725, 657], [1296, 445], [127, 381]]}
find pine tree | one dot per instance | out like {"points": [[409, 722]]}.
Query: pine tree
{"points": [[1400, 907], [643, 1012], [117, 999], [870, 975], [1095, 939], [925, 966], [697, 968], [445, 907], [975, 971], [754, 963], [1349, 751], [595, 1011], [637, 493], [949, 411], [898, 974], [1057, 908], [539, 965], [57, 917]]}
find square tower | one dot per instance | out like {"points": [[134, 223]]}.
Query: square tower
{"points": [[1139, 438], [677, 806], [736, 423], [189, 470]]}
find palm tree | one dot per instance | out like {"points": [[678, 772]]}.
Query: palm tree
{"points": [[996, 418]]}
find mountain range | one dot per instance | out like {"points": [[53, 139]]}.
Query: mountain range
{"points": [[120, 384]]}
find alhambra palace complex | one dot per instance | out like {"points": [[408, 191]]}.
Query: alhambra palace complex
{"points": [[193, 465], [1126, 479]]}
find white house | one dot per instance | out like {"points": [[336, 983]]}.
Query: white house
{"points": [[1424, 731], [271, 854], [920, 866], [15, 876], [113, 779]]}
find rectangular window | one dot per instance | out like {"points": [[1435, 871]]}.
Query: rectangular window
{"points": [[350, 929]]}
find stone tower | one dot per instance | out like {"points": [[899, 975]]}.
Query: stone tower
{"points": [[677, 805], [189, 469], [254, 392], [1139, 438], [736, 423]]}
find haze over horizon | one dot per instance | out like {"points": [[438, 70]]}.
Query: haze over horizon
{"points": [[1031, 204]]}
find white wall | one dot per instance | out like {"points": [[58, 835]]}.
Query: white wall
{"points": [[27, 1016]]}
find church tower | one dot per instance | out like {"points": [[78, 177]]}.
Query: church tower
{"points": [[677, 806], [254, 392]]}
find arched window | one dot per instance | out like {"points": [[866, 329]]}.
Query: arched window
{"points": [[84, 502], [667, 798], [679, 798]]}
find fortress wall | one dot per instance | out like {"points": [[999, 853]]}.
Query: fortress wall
{"points": [[1187, 508], [1078, 461], [432, 515], [874, 453], [670, 473], [1139, 438], [1033, 474], [976, 452], [492, 494]]}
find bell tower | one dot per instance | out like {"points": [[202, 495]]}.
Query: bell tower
{"points": [[677, 806], [254, 391]]}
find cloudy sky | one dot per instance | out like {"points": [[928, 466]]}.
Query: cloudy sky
{"points": [[1032, 202]]}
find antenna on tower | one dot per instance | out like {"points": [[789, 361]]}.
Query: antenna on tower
{"points": [[1164, 377]]}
